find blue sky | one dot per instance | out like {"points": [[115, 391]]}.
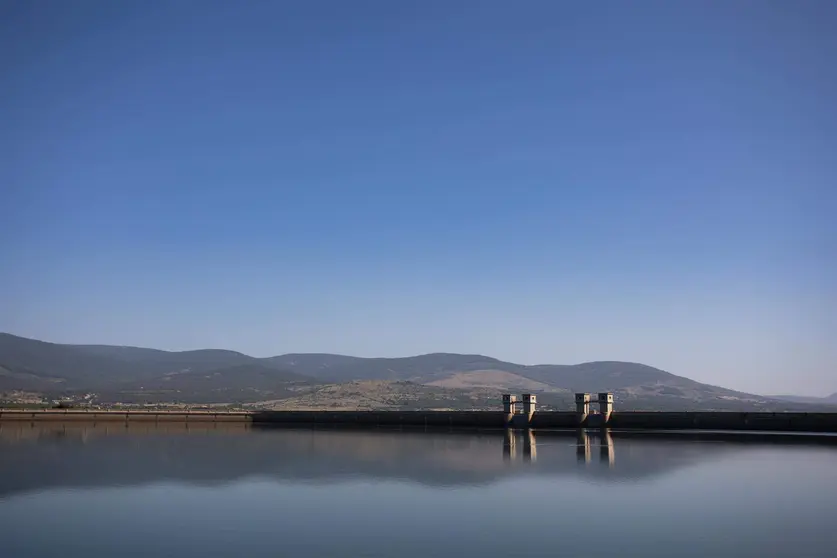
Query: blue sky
{"points": [[536, 181]]}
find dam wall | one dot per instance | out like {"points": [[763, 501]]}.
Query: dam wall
{"points": [[636, 420], [385, 419], [621, 420], [361, 419], [778, 422], [554, 419]]}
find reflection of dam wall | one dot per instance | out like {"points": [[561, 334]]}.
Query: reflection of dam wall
{"points": [[788, 422], [13, 431]]}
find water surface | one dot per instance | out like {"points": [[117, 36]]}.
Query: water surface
{"points": [[110, 490]]}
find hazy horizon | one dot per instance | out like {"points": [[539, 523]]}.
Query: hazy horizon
{"points": [[540, 182]]}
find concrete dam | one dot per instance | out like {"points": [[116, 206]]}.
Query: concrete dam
{"points": [[516, 414]]}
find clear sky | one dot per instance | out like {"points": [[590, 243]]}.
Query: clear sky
{"points": [[540, 181]]}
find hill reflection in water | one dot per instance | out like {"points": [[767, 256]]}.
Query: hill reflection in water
{"points": [[38, 456]]}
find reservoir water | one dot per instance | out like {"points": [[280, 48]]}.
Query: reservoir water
{"points": [[219, 491]]}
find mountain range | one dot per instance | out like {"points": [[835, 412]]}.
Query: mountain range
{"points": [[107, 373]]}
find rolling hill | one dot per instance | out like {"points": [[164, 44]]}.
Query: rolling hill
{"points": [[243, 383], [829, 400], [132, 373], [423, 368], [628, 379], [135, 375]]}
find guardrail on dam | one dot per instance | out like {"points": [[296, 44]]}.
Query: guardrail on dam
{"points": [[101, 415]]}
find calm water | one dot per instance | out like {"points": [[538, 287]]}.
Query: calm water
{"points": [[107, 490]]}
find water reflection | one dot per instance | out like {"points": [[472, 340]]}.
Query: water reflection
{"points": [[586, 440], [34, 456], [225, 490], [527, 442]]}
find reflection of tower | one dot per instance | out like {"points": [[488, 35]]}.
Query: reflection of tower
{"points": [[582, 448], [582, 407], [509, 445], [606, 454], [530, 449]]}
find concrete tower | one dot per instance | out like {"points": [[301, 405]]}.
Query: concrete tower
{"points": [[509, 402], [605, 406], [529, 403], [582, 406]]}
